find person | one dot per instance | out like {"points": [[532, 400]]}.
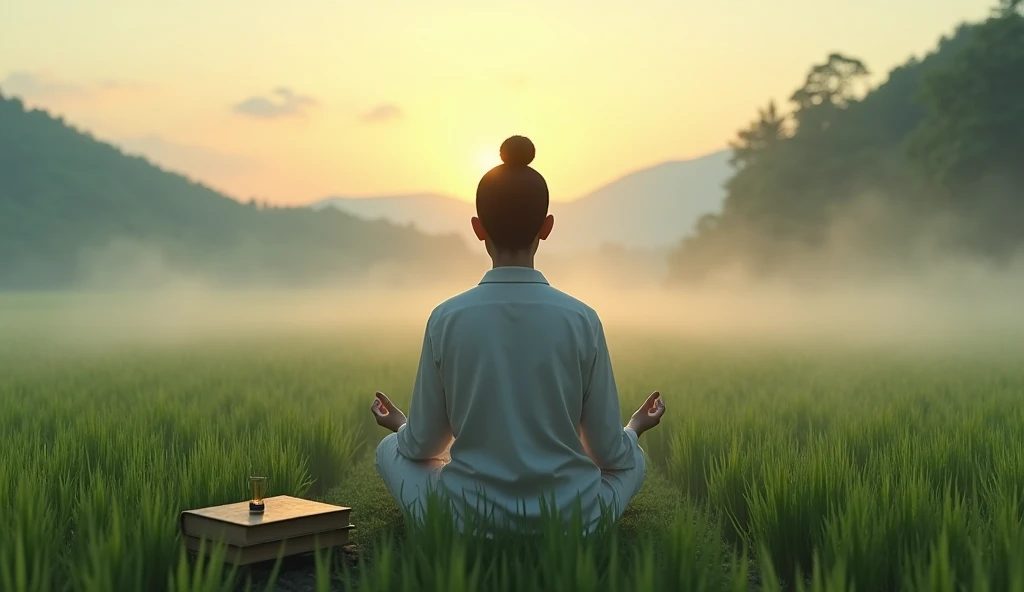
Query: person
{"points": [[514, 410]]}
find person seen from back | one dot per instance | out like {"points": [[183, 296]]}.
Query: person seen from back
{"points": [[514, 405]]}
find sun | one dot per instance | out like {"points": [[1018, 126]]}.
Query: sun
{"points": [[487, 160], [477, 161]]}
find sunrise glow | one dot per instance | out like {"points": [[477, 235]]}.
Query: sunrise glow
{"points": [[292, 103]]}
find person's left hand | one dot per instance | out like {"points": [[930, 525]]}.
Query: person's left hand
{"points": [[386, 413], [648, 415]]}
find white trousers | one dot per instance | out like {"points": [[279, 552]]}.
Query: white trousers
{"points": [[409, 481]]}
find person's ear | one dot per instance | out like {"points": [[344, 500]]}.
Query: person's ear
{"points": [[478, 229], [545, 228]]}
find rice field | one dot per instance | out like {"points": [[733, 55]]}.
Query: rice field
{"points": [[778, 467]]}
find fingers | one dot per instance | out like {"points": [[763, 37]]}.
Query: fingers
{"points": [[651, 401], [381, 404], [657, 407], [385, 402]]}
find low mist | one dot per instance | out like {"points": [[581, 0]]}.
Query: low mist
{"points": [[130, 296]]}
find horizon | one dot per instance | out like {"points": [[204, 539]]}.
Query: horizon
{"points": [[587, 193], [306, 116]]}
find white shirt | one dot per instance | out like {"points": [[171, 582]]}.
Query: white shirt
{"points": [[519, 374]]}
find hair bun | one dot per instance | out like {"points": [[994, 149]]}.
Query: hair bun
{"points": [[517, 151]]}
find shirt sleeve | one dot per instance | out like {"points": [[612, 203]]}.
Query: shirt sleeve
{"points": [[428, 431], [609, 445]]}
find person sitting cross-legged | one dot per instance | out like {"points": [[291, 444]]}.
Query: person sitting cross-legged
{"points": [[514, 400]]}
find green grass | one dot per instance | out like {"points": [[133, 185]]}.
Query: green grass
{"points": [[777, 467]]}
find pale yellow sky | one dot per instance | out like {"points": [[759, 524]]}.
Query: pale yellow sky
{"points": [[294, 101]]}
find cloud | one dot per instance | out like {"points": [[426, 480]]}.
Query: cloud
{"points": [[39, 85], [197, 162], [382, 112], [43, 86], [282, 102]]}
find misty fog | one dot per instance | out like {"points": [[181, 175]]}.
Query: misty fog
{"points": [[948, 302]]}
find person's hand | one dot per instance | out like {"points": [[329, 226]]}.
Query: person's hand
{"points": [[386, 413], [648, 415]]}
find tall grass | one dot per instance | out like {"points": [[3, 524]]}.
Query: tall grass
{"points": [[687, 554], [101, 454], [893, 469], [838, 469]]}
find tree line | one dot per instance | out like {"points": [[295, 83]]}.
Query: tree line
{"points": [[929, 163]]}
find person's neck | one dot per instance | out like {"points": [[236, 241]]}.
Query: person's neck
{"points": [[514, 259]]}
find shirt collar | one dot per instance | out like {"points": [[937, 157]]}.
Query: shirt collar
{"points": [[513, 275]]}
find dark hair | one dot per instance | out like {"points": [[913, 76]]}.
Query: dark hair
{"points": [[512, 198]]}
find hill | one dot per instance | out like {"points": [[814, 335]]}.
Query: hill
{"points": [[429, 212], [921, 170], [650, 208], [74, 211]]}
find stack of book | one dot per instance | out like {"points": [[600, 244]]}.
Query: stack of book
{"points": [[287, 526]]}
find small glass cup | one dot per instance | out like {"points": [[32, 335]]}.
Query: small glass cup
{"points": [[259, 489]]}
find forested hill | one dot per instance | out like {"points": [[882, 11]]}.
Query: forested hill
{"points": [[929, 164], [71, 206]]}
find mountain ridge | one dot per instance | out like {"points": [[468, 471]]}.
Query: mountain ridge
{"points": [[639, 209]]}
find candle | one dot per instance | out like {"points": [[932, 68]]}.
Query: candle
{"points": [[259, 489]]}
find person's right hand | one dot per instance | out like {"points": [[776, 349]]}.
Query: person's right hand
{"points": [[648, 415], [387, 414]]}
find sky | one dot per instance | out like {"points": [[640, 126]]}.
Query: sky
{"points": [[291, 102]]}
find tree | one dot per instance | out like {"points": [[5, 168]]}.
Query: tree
{"points": [[1009, 7], [829, 87], [763, 134], [831, 83], [975, 125], [971, 144]]}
